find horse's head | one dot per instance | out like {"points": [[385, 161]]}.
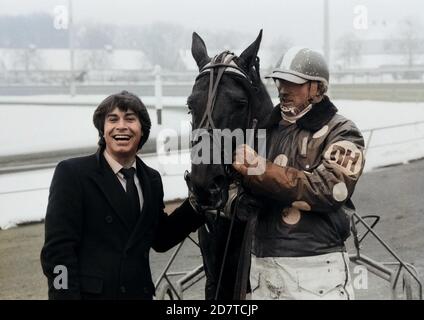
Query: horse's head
{"points": [[227, 98]]}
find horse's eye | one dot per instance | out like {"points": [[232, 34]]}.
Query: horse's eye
{"points": [[189, 107], [242, 102], [189, 102]]}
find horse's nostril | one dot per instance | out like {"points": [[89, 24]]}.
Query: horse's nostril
{"points": [[218, 182]]}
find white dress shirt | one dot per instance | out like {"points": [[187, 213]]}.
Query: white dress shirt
{"points": [[116, 167]]}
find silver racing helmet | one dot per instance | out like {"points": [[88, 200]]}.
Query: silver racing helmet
{"points": [[300, 65]]}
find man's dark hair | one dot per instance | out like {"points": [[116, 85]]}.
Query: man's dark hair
{"points": [[123, 101]]}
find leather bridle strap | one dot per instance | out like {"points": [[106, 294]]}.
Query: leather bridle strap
{"points": [[213, 87], [240, 287]]}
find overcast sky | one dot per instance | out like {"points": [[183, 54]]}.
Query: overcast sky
{"points": [[299, 20]]}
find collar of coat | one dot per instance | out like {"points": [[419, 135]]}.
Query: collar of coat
{"points": [[320, 114]]}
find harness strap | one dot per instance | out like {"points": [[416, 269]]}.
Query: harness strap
{"points": [[231, 67], [243, 268], [224, 257], [207, 113], [213, 88]]}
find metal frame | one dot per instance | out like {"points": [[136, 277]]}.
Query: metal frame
{"points": [[371, 133], [189, 278], [382, 269], [392, 272]]}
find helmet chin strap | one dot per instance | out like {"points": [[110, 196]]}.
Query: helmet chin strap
{"points": [[296, 115]]}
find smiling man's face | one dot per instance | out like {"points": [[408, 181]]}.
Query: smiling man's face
{"points": [[122, 133]]}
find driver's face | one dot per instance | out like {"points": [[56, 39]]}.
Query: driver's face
{"points": [[293, 95]]}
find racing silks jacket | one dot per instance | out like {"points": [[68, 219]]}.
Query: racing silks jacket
{"points": [[311, 171]]}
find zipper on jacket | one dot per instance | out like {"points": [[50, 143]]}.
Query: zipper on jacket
{"points": [[304, 147]]}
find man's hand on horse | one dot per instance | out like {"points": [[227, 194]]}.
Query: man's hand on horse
{"points": [[247, 162], [194, 203]]}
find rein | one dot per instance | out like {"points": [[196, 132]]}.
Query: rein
{"points": [[223, 63]]}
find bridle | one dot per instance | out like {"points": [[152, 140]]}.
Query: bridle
{"points": [[222, 63]]}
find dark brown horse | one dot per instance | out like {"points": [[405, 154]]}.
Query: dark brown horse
{"points": [[228, 94]]}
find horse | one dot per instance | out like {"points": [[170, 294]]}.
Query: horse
{"points": [[228, 93]]}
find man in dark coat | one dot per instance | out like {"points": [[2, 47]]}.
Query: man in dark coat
{"points": [[106, 211]]}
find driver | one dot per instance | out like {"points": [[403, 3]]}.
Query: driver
{"points": [[314, 160]]}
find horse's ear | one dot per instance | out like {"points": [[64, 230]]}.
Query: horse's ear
{"points": [[248, 56], [199, 51]]}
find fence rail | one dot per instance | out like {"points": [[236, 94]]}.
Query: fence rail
{"points": [[10, 77], [373, 130], [65, 81]]}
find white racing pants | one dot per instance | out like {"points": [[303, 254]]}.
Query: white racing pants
{"points": [[323, 276]]}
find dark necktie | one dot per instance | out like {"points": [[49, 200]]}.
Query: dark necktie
{"points": [[132, 192]]}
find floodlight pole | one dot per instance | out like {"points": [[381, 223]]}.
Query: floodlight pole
{"points": [[327, 32], [71, 49]]}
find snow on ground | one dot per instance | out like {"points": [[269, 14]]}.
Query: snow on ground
{"points": [[396, 144], [35, 128], [23, 197]]}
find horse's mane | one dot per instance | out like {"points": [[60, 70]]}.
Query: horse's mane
{"points": [[262, 100]]}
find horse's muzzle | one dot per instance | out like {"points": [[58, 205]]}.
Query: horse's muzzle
{"points": [[214, 197]]}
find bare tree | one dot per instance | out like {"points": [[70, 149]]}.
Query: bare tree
{"points": [[349, 49], [28, 59], [406, 40], [161, 43], [95, 35], [278, 48], [2, 64], [95, 60], [410, 39]]}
